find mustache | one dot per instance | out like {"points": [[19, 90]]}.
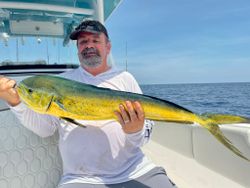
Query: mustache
{"points": [[90, 50]]}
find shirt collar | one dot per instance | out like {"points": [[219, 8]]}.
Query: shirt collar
{"points": [[109, 72]]}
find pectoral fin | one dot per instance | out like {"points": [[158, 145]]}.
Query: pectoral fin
{"points": [[73, 121], [60, 104]]}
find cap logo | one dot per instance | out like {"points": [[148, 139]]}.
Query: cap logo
{"points": [[89, 27]]}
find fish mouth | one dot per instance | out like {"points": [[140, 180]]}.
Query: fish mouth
{"points": [[20, 89]]}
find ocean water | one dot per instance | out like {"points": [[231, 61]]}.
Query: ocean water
{"points": [[229, 98]]}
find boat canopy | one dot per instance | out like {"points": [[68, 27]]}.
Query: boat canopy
{"points": [[28, 27], [50, 17]]}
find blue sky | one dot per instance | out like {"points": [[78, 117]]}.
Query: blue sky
{"points": [[168, 41], [173, 41]]}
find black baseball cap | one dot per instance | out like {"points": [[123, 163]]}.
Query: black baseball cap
{"points": [[91, 26]]}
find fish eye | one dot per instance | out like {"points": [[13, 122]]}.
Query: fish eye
{"points": [[30, 90]]}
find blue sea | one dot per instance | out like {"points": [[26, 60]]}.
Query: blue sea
{"points": [[229, 98]]}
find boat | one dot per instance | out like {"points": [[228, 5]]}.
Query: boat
{"points": [[189, 153]]}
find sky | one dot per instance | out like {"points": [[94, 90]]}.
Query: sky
{"points": [[168, 41], [182, 41]]}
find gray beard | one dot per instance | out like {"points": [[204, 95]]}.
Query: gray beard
{"points": [[91, 62]]}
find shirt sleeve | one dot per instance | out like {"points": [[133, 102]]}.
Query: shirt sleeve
{"points": [[142, 137], [41, 124]]}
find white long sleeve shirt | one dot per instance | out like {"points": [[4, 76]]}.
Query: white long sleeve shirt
{"points": [[101, 153]]}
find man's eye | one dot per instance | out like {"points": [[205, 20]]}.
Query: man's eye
{"points": [[96, 41], [83, 42]]}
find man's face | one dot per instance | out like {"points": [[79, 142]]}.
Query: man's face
{"points": [[93, 49]]}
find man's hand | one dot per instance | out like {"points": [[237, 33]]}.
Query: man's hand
{"points": [[8, 92], [131, 117]]}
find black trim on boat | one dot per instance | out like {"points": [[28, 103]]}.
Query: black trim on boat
{"points": [[39, 66], [30, 73], [17, 70]]}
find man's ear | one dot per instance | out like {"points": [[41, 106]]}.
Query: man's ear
{"points": [[108, 47]]}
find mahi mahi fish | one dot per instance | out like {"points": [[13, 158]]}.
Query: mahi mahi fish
{"points": [[72, 100]]}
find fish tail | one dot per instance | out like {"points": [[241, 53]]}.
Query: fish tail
{"points": [[226, 118], [214, 129]]}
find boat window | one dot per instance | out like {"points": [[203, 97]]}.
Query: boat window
{"points": [[36, 51]]}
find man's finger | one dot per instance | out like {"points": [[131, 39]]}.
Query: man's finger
{"points": [[124, 114], [11, 83], [3, 80], [13, 91], [119, 116], [131, 111], [139, 110], [6, 83]]}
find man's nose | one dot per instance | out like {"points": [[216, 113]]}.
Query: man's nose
{"points": [[89, 44]]}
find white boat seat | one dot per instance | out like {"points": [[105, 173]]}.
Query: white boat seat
{"points": [[26, 160], [194, 158]]}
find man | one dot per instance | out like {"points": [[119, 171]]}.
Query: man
{"points": [[106, 153]]}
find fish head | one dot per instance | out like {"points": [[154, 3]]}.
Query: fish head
{"points": [[36, 92]]}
